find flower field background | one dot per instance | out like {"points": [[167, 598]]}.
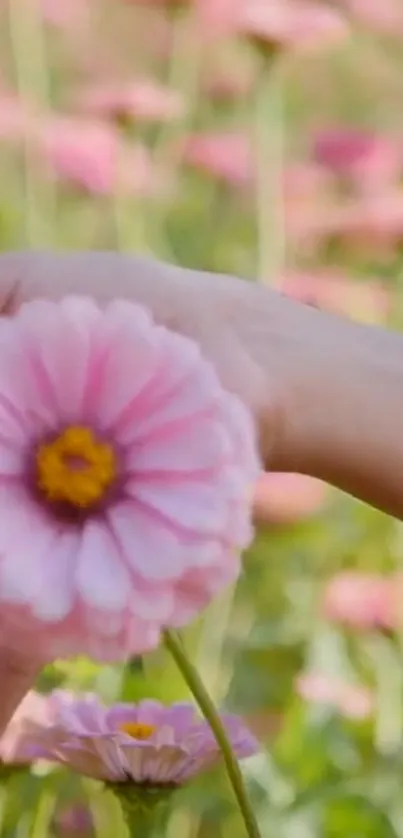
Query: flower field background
{"points": [[263, 139]]}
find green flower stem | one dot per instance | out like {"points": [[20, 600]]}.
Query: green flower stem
{"points": [[269, 152], [140, 822], [140, 806], [195, 684], [31, 69]]}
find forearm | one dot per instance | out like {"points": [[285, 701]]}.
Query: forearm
{"points": [[343, 418]]}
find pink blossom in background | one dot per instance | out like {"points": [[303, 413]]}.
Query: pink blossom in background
{"points": [[144, 99], [368, 300], [354, 702], [65, 15], [126, 479], [384, 18], [360, 600], [32, 715], [74, 821], [91, 155], [16, 118], [288, 498], [368, 161], [306, 184], [144, 743], [369, 225], [223, 156], [290, 24], [228, 82]]}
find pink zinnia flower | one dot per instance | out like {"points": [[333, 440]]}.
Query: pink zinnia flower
{"points": [[354, 702], [288, 498], [148, 743], [360, 600], [144, 99], [126, 475]]}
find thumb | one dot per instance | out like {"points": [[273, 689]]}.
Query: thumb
{"points": [[17, 675]]}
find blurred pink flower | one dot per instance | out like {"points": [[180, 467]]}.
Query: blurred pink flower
{"points": [[74, 821], [367, 301], [360, 600], [16, 118], [368, 161], [227, 83], [144, 99], [305, 184], [354, 702], [224, 156], [385, 18], [288, 498], [148, 743], [126, 475], [64, 14], [290, 24], [370, 225], [31, 716], [91, 156]]}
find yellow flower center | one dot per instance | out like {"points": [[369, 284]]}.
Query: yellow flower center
{"points": [[75, 468], [137, 730]]}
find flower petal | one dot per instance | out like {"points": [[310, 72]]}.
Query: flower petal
{"points": [[55, 598], [101, 577]]}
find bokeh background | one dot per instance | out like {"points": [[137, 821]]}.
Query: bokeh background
{"points": [[262, 138]]}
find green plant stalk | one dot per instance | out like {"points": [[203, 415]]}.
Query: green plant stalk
{"points": [[27, 35], [139, 822], [140, 806], [195, 684], [268, 152]]}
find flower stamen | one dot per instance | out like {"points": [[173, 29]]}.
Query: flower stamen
{"points": [[75, 468], [136, 730]]}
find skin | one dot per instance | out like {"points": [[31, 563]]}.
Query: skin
{"points": [[326, 394]]}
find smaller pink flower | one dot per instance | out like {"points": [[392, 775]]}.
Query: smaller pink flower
{"points": [[288, 498], [143, 99], [353, 702], [225, 157], [360, 600], [148, 743]]}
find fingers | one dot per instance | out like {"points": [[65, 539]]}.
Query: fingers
{"points": [[17, 676], [105, 276]]}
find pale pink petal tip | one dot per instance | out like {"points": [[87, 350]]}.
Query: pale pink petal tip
{"points": [[125, 480]]}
